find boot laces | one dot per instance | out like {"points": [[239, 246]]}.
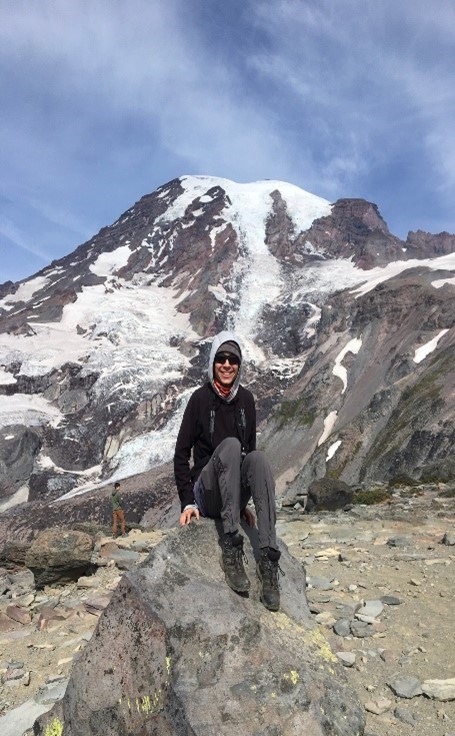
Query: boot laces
{"points": [[271, 570], [236, 555]]}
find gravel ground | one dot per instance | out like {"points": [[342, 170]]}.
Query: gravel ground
{"points": [[364, 554]]}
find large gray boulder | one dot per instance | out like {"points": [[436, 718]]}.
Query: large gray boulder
{"points": [[328, 494], [59, 556], [177, 653]]}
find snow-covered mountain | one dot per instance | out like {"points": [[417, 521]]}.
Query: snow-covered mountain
{"points": [[339, 320]]}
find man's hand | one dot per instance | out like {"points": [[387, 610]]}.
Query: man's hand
{"points": [[185, 516], [249, 517]]}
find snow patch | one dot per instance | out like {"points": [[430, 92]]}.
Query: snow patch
{"points": [[329, 423], [6, 378], [332, 450], [21, 496], [440, 282], [377, 275], [424, 350], [339, 370], [29, 410], [24, 292], [109, 263]]}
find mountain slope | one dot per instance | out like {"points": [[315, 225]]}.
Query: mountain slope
{"points": [[100, 350]]}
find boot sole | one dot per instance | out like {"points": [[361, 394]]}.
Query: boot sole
{"points": [[238, 589]]}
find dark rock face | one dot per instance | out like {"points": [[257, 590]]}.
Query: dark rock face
{"points": [[18, 448], [177, 653], [59, 555]]}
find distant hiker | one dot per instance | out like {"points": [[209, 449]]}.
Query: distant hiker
{"points": [[219, 426], [117, 510]]}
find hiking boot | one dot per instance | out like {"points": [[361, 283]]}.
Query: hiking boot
{"points": [[232, 563], [267, 569]]}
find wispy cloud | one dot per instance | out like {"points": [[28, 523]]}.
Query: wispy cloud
{"points": [[107, 99]]}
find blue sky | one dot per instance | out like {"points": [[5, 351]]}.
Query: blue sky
{"points": [[105, 100]]}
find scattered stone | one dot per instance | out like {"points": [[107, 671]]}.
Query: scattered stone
{"points": [[321, 583], [346, 658], [405, 715], [449, 539], [387, 655], [330, 552], [19, 614], [360, 629], [325, 618], [442, 690], [96, 606], [87, 582], [399, 541], [342, 627], [379, 706], [391, 600], [372, 609], [406, 686]]}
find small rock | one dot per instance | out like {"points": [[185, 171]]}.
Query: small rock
{"points": [[405, 715], [346, 658], [391, 600], [449, 538], [19, 614], [342, 627], [406, 686], [325, 618], [387, 655], [399, 541], [96, 605], [372, 609], [360, 629], [321, 583], [442, 690], [379, 706], [87, 582]]}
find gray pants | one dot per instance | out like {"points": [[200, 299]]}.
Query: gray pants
{"points": [[227, 485]]}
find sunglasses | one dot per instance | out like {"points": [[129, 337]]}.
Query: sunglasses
{"points": [[223, 357]]}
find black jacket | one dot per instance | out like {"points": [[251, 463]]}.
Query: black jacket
{"points": [[236, 419]]}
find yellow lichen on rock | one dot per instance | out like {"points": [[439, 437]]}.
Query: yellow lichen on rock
{"points": [[55, 728], [316, 638]]}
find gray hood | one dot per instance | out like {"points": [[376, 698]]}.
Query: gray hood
{"points": [[218, 340]]}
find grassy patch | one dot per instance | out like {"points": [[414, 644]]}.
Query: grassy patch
{"points": [[372, 496], [293, 411]]}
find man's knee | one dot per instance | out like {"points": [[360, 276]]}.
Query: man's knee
{"points": [[257, 459], [230, 448]]}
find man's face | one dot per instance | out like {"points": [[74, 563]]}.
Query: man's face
{"points": [[223, 371]]}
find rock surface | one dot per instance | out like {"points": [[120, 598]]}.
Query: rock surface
{"points": [[349, 548], [190, 656]]}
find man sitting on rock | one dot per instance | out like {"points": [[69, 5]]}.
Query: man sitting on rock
{"points": [[219, 426]]}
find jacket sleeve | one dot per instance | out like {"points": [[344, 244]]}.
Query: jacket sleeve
{"points": [[184, 445]]}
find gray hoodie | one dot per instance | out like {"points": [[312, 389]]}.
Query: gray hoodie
{"points": [[218, 340]]}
